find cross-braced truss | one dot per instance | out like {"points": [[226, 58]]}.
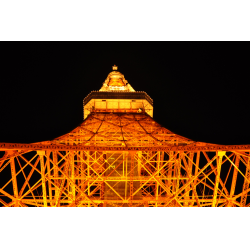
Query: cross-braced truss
{"points": [[120, 159]]}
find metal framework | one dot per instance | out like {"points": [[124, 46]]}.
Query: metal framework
{"points": [[123, 158]]}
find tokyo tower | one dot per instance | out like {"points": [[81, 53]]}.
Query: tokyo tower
{"points": [[120, 156]]}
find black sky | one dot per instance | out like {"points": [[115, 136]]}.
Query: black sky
{"points": [[200, 89]]}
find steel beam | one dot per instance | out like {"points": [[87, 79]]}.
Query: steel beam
{"points": [[14, 180], [41, 154], [220, 154]]}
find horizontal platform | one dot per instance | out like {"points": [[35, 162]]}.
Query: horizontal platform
{"points": [[117, 95], [33, 146]]}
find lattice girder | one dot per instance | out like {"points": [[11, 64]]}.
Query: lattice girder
{"points": [[140, 178]]}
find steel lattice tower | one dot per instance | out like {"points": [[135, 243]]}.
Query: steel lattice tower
{"points": [[120, 156]]}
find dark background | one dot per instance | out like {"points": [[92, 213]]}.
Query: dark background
{"points": [[200, 89]]}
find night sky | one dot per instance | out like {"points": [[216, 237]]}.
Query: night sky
{"points": [[200, 89]]}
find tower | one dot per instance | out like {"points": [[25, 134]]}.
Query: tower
{"points": [[120, 156]]}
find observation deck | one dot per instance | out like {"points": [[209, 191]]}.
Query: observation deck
{"points": [[117, 95]]}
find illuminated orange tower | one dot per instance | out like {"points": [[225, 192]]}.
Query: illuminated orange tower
{"points": [[120, 156]]}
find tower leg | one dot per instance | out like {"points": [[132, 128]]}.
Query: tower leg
{"points": [[169, 174], [235, 173], [57, 182], [49, 177], [88, 174], [72, 168], [157, 184], [41, 154], [246, 184], [217, 178], [14, 180], [132, 177]]}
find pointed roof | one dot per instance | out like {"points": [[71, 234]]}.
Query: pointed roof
{"points": [[116, 81]]}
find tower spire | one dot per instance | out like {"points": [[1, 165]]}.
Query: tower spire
{"points": [[116, 82]]}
